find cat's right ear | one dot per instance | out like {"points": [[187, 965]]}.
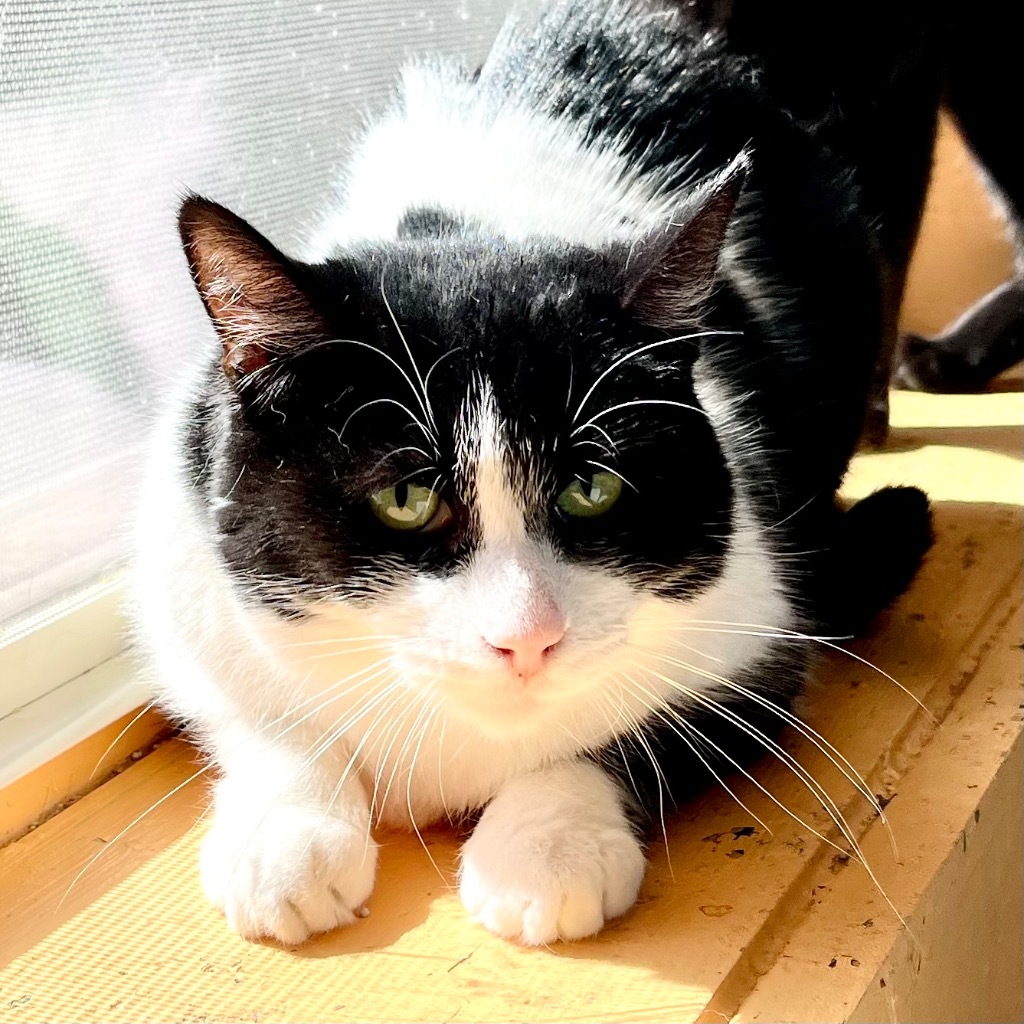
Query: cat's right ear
{"points": [[671, 273], [249, 289]]}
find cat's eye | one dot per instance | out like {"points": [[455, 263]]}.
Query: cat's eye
{"points": [[585, 499], [410, 507]]}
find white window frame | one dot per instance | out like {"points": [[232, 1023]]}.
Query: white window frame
{"points": [[65, 673]]}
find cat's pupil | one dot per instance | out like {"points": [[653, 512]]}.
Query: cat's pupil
{"points": [[401, 495]]}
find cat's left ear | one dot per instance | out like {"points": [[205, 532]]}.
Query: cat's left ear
{"points": [[252, 293], [670, 274]]}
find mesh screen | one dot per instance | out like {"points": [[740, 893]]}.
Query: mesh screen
{"points": [[108, 112]]}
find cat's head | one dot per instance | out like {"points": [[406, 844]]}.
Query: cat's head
{"points": [[486, 461]]}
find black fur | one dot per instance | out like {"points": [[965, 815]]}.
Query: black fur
{"points": [[540, 326], [868, 84], [980, 345]]}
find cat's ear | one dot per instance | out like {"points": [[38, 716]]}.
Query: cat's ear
{"points": [[671, 273], [249, 289]]}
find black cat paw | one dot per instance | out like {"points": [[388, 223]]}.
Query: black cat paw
{"points": [[881, 543]]}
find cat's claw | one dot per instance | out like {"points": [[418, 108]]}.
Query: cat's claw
{"points": [[292, 875], [537, 879]]}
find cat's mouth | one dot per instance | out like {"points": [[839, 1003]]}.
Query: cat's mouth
{"points": [[503, 703]]}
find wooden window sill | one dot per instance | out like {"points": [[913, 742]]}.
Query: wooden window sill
{"points": [[741, 927]]}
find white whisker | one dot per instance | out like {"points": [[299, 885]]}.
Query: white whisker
{"points": [[385, 756], [344, 640], [672, 719], [423, 401], [383, 355], [604, 433], [440, 768], [135, 821], [663, 788], [347, 722], [397, 451], [386, 401], [779, 633], [637, 402], [639, 351], [676, 719], [812, 785], [437, 362], [408, 789], [614, 472], [838, 759], [149, 705], [256, 734], [597, 444]]}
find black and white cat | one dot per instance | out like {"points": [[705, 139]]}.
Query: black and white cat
{"points": [[522, 498]]}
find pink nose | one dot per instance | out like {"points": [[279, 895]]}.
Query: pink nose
{"points": [[526, 651]]}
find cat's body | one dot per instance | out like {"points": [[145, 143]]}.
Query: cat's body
{"points": [[612, 256]]}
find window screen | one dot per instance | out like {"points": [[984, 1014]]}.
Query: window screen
{"points": [[108, 113]]}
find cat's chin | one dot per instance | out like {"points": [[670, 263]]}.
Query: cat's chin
{"points": [[515, 724], [510, 711]]}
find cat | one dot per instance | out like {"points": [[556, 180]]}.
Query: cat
{"points": [[517, 504]]}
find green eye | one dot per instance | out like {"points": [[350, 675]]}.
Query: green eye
{"points": [[410, 507], [586, 500]]}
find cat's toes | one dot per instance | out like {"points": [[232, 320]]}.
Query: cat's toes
{"points": [[289, 876], [546, 881]]}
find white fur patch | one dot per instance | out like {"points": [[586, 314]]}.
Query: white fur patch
{"points": [[552, 857], [498, 508], [512, 170], [284, 867]]}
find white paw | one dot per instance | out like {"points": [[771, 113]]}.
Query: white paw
{"points": [[537, 870], [290, 875]]}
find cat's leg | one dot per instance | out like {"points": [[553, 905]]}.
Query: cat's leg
{"points": [[876, 415], [288, 854], [985, 341], [983, 77], [553, 856]]}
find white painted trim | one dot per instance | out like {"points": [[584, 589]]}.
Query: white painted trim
{"points": [[64, 675], [44, 650], [44, 728]]}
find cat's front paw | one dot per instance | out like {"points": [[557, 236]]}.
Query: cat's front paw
{"points": [[288, 874], [539, 872]]}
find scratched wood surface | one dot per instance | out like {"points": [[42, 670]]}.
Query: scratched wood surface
{"points": [[101, 917]]}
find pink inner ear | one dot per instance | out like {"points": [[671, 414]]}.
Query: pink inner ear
{"points": [[241, 358], [247, 287], [672, 272]]}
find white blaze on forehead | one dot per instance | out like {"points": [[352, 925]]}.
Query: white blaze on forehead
{"points": [[498, 506]]}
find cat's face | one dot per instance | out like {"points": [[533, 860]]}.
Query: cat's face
{"points": [[484, 461]]}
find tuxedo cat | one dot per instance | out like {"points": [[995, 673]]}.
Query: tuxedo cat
{"points": [[518, 501]]}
